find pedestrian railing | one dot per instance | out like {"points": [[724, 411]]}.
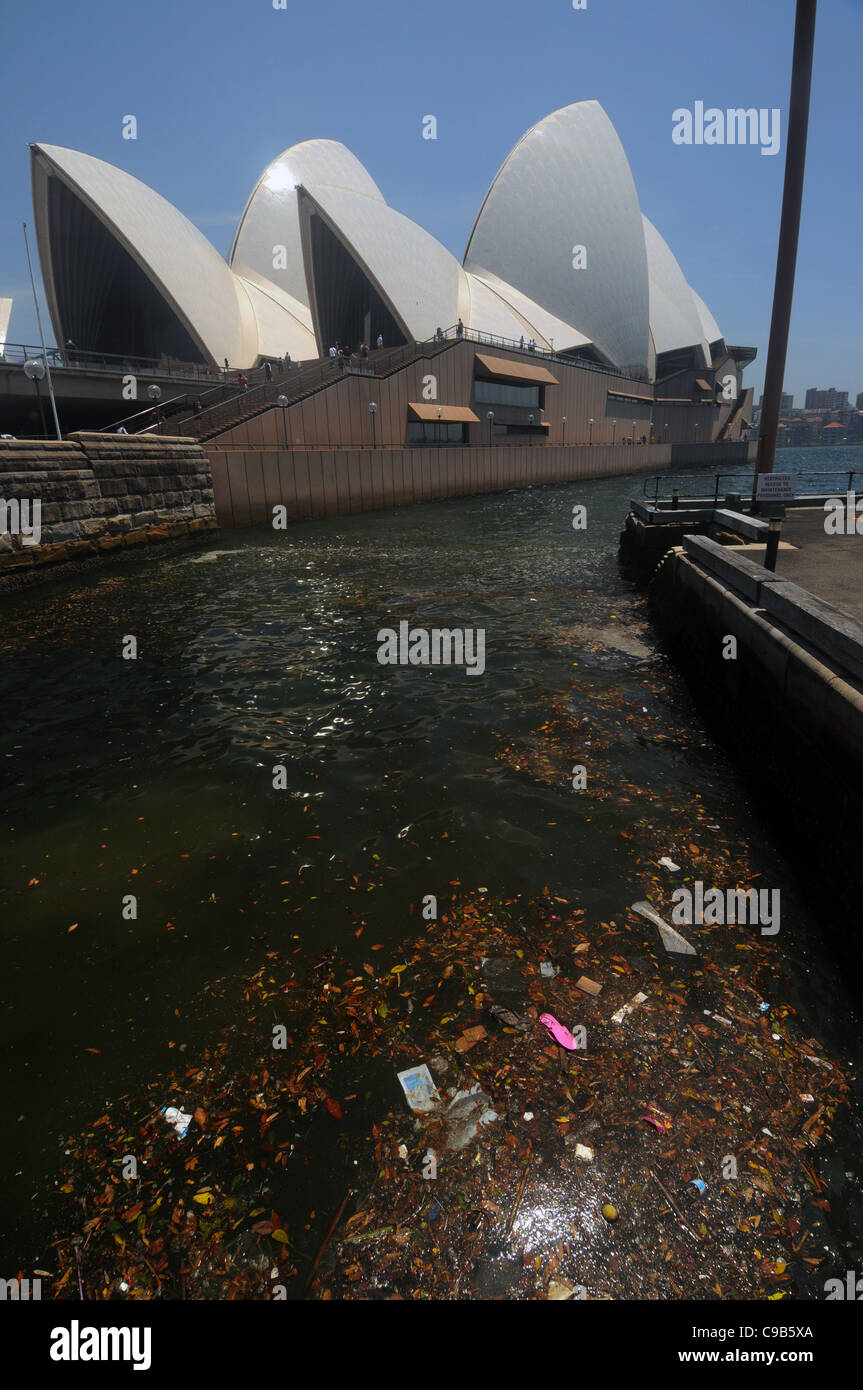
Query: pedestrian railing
{"points": [[673, 481], [16, 354]]}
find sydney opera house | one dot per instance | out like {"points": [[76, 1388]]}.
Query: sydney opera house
{"points": [[560, 256]]}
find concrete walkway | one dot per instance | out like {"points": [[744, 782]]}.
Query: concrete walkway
{"points": [[830, 567]]}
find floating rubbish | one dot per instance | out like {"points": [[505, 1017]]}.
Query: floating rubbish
{"points": [[558, 1032], [764, 1007], [469, 1038], [547, 970], [658, 1118], [466, 1112], [584, 1152], [671, 940], [629, 1008], [559, 1290], [700, 1184], [508, 1019], [177, 1119], [589, 986], [419, 1088], [528, 1115], [609, 1212], [669, 864]]}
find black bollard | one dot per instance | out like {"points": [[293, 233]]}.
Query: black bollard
{"points": [[774, 530]]}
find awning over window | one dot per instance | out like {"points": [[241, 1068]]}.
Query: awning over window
{"points": [[515, 371], [447, 414], [630, 396]]}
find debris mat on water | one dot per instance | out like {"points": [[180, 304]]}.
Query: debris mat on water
{"points": [[720, 1196]]}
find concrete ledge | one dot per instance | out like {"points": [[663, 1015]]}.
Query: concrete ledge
{"points": [[837, 635], [741, 525], [666, 516], [741, 574]]}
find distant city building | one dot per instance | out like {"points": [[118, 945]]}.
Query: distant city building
{"points": [[860, 400], [831, 399], [786, 406]]}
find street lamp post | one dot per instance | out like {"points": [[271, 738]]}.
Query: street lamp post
{"points": [[666, 431], [155, 394], [613, 431], [530, 422], [373, 410], [34, 370], [590, 422], [41, 334], [284, 402], [490, 418], [633, 432], [563, 422]]}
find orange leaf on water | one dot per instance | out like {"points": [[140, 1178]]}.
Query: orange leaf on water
{"points": [[334, 1108]]}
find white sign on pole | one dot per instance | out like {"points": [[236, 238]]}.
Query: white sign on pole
{"points": [[778, 487]]}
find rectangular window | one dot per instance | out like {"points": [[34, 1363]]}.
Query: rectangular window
{"points": [[435, 432], [504, 393]]}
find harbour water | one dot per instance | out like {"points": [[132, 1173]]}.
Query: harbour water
{"points": [[153, 778]]}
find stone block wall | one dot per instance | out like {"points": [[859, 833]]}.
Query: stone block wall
{"points": [[101, 493]]}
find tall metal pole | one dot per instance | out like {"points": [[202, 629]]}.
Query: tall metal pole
{"points": [[789, 231], [41, 334]]}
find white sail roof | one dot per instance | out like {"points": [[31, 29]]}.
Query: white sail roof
{"points": [[674, 318], [179, 261], [567, 183]]}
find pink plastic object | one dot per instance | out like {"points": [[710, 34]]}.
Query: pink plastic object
{"points": [[658, 1118], [558, 1032]]}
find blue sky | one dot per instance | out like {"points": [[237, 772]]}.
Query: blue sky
{"points": [[219, 89]]}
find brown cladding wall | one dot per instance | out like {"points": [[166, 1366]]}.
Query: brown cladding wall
{"points": [[338, 415], [249, 483]]}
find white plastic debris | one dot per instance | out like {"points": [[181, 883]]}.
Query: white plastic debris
{"points": [[584, 1152], [626, 1009], [547, 970], [671, 940], [177, 1119], [528, 1114], [419, 1088], [669, 864], [403, 1152]]}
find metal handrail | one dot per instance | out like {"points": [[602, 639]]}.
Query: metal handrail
{"points": [[746, 477], [16, 354], [515, 345], [148, 410]]}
